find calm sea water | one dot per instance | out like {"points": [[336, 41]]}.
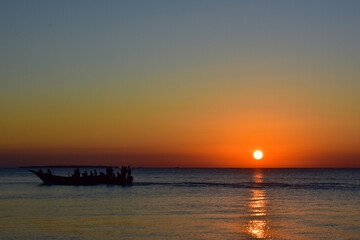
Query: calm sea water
{"points": [[186, 204]]}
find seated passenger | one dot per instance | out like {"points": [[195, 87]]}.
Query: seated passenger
{"points": [[77, 172], [109, 172], [123, 172]]}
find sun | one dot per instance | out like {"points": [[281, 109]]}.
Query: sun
{"points": [[258, 155]]}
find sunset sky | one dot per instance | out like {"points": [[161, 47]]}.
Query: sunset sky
{"points": [[180, 83]]}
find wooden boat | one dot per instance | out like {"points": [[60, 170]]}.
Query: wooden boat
{"points": [[50, 179]]}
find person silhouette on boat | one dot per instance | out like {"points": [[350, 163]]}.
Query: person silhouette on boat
{"points": [[129, 171], [49, 171], [123, 173], [77, 172], [95, 173], [109, 172], [85, 174]]}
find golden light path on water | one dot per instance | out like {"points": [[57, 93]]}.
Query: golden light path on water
{"points": [[257, 225]]}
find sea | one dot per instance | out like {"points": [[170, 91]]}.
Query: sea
{"points": [[185, 203]]}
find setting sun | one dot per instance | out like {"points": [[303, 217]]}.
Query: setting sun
{"points": [[258, 155]]}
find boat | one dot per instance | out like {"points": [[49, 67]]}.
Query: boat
{"points": [[49, 178]]}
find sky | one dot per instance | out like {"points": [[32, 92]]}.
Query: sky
{"points": [[180, 83]]}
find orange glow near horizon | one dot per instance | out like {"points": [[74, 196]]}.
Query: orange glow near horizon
{"points": [[226, 141]]}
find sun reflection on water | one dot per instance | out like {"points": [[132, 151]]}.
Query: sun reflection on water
{"points": [[257, 203], [257, 225], [258, 229]]}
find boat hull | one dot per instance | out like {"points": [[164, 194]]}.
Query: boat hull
{"points": [[50, 179]]}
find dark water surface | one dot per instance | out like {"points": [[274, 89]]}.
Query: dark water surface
{"points": [[186, 204]]}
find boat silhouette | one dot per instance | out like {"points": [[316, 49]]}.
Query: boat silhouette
{"points": [[108, 178]]}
